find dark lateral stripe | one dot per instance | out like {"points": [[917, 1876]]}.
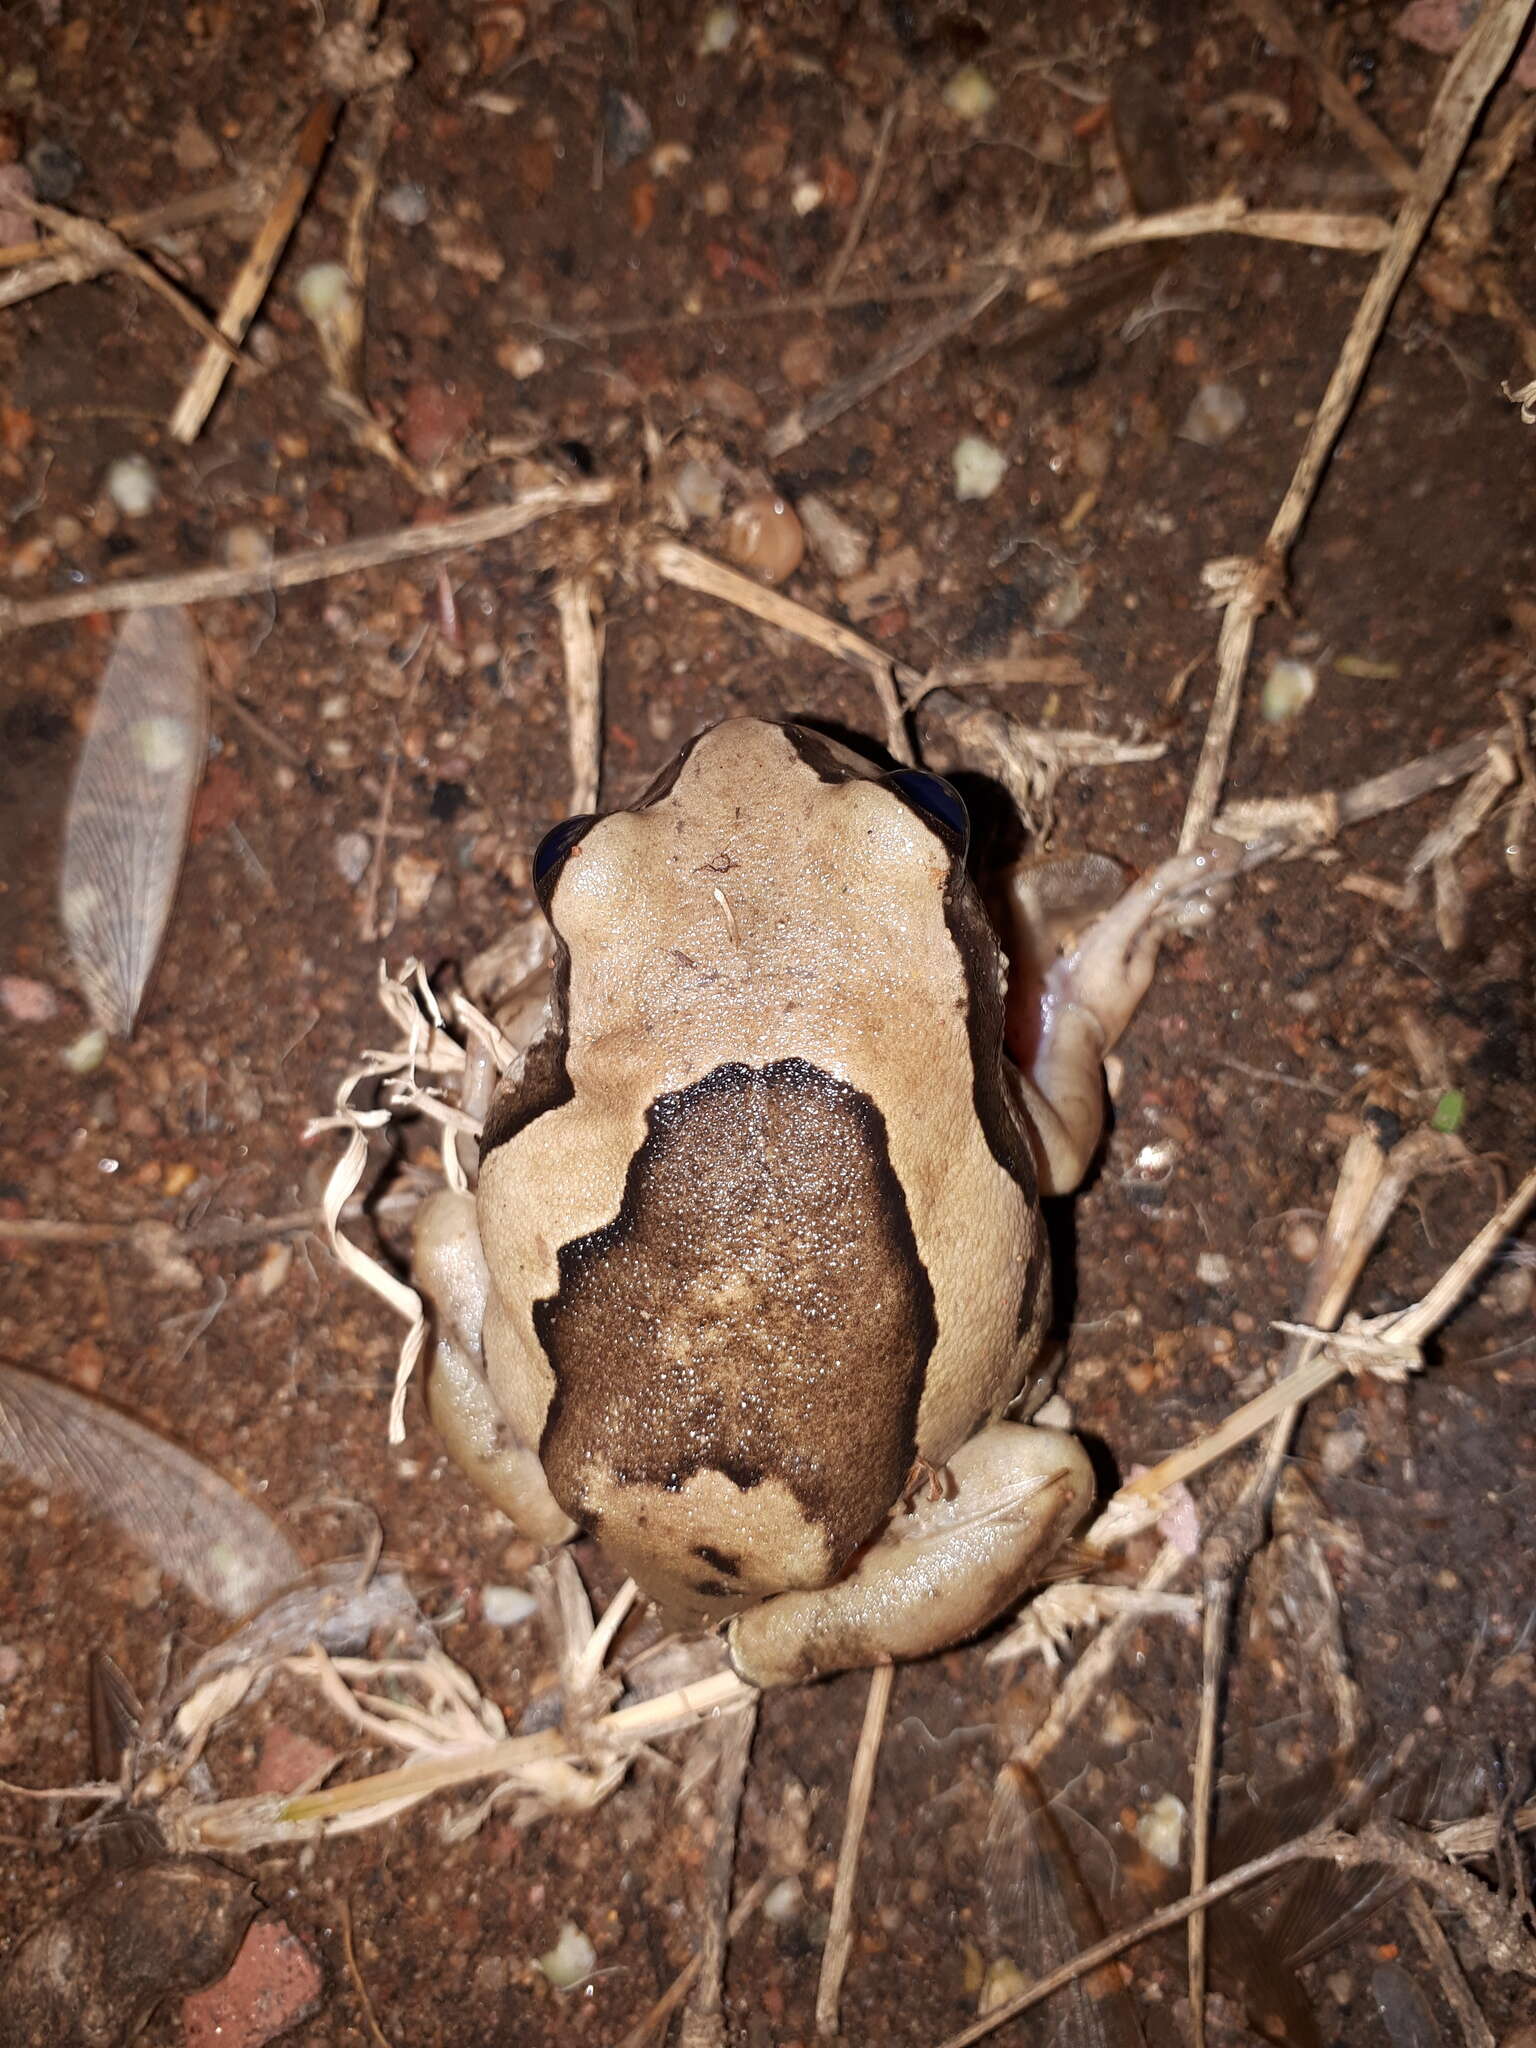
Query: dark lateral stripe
{"points": [[544, 1082]]}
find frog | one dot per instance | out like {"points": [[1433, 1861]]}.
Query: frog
{"points": [[754, 1279]]}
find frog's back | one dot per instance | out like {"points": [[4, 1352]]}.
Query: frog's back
{"points": [[760, 1220]]}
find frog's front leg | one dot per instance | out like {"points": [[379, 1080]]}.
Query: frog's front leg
{"points": [[1064, 1013], [450, 1269], [939, 1571]]}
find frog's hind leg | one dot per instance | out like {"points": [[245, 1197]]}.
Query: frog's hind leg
{"points": [[939, 1572], [450, 1269], [1066, 1010]]}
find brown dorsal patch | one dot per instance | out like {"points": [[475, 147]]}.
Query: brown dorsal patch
{"points": [[756, 1308]]}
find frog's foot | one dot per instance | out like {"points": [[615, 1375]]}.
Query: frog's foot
{"points": [[1064, 1015], [449, 1267], [938, 1573]]}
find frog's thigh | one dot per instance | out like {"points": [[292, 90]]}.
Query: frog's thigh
{"points": [[937, 1574], [450, 1269]]}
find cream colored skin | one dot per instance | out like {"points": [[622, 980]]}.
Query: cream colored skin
{"points": [[755, 1264]]}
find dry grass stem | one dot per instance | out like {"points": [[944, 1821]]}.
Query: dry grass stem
{"points": [[1272, 21], [1029, 760], [1391, 1342], [1470, 78], [581, 643], [1467, 815], [100, 250], [1063, 248], [450, 1735], [1475, 2030], [1056, 1613], [1275, 826], [57, 259], [1038, 260], [1371, 1185], [837, 269], [1481, 1837], [371, 925], [682, 1983], [702, 2025], [1137, 1506], [243, 300], [1505, 1943], [376, 2033], [314, 565], [147, 224], [802, 421], [686, 566], [839, 1946], [1043, 671]]}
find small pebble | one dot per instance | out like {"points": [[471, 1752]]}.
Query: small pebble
{"points": [[1160, 1830], [26, 1001], [271, 1276], [699, 492], [1121, 1723], [56, 170], [507, 1606], [1156, 1160], [1215, 413], [728, 399], [667, 158], [806, 196], [843, 546], [290, 1759], [193, 147], [1003, 1982], [247, 547], [520, 359], [1213, 1269], [406, 204], [87, 1052], [415, 877], [1288, 689], [351, 856], [1063, 604], [1514, 1289], [133, 486], [627, 132], [325, 292], [785, 1902], [1301, 1241], [571, 1960], [1342, 1448], [806, 362], [970, 94], [764, 537], [718, 31], [979, 467]]}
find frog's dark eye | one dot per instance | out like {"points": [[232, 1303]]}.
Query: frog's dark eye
{"points": [[937, 800], [556, 844]]}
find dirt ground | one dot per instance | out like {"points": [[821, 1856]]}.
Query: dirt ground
{"points": [[599, 240]]}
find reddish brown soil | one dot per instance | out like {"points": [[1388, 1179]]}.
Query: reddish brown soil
{"points": [[1417, 558]]}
